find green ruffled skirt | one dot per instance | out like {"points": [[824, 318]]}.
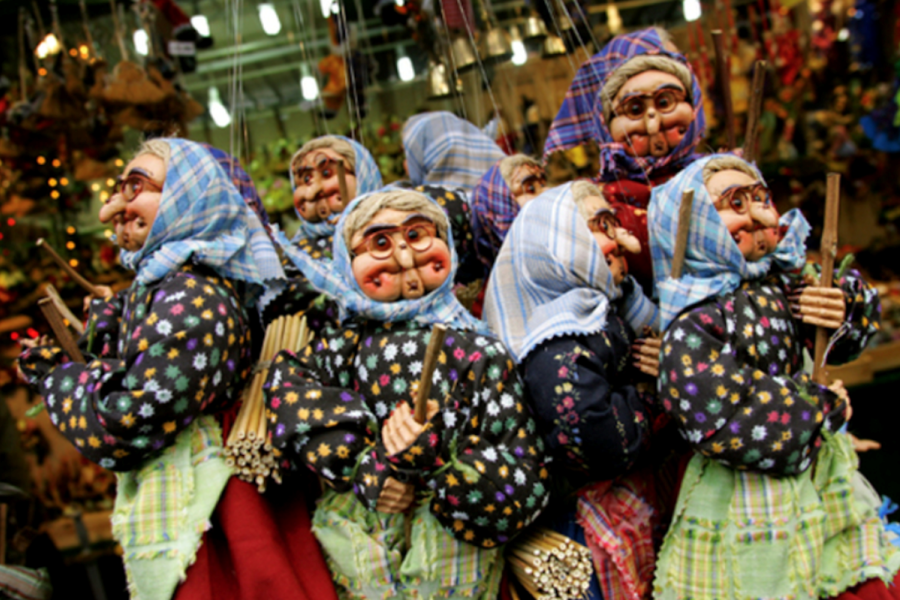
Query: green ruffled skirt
{"points": [[741, 535], [364, 550]]}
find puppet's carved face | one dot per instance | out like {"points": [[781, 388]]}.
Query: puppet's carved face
{"points": [[133, 207], [317, 190], [651, 114], [614, 240], [399, 256], [526, 183], [747, 211]]}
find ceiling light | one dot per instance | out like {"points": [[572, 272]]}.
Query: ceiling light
{"points": [[692, 10], [201, 24], [308, 84], [217, 110], [141, 42], [48, 46], [269, 18], [404, 66], [520, 55]]}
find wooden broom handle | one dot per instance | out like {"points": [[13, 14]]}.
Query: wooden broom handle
{"points": [[828, 250], [342, 183], [67, 315], [751, 138], [87, 285], [59, 330], [438, 333], [681, 236], [724, 76]]}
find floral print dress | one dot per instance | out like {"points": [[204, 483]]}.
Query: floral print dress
{"points": [[479, 461], [605, 431], [158, 356], [753, 518]]}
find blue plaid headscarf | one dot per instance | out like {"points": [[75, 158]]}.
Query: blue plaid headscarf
{"points": [[368, 179], [551, 279], [573, 123], [442, 149], [202, 218], [615, 164], [336, 279], [713, 264]]}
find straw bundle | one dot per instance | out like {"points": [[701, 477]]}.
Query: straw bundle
{"points": [[129, 84], [549, 565], [248, 449]]}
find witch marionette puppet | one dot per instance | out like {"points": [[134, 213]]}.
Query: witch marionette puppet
{"points": [[318, 200], [165, 361], [639, 101], [561, 300], [442, 149], [471, 476], [497, 199], [769, 505]]}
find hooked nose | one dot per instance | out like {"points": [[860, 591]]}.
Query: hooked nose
{"points": [[404, 255], [627, 241], [115, 206], [762, 215], [651, 121]]}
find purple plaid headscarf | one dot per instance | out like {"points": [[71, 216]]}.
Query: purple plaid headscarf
{"points": [[493, 212], [572, 125], [581, 118]]}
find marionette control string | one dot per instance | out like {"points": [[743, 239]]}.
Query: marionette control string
{"points": [[305, 42], [350, 88], [457, 94], [481, 69]]}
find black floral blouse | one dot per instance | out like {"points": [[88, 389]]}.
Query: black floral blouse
{"points": [[596, 421], [317, 247], [731, 374], [157, 355], [480, 455], [300, 297]]}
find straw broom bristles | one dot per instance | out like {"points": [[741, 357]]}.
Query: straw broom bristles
{"points": [[248, 450], [548, 565]]}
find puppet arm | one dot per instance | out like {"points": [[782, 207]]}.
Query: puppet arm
{"points": [[101, 335], [493, 481], [733, 412], [592, 420], [181, 357]]}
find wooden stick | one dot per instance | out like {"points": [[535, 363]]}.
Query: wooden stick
{"points": [[59, 330], [438, 333], [87, 285], [342, 183], [724, 76], [751, 138], [828, 249], [74, 322], [117, 27], [85, 23], [681, 237]]}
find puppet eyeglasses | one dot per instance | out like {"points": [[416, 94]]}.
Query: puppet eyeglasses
{"points": [[133, 184], [418, 231], [533, 183], [664, 100], [604, 221], [325, 168], [739, 197]]}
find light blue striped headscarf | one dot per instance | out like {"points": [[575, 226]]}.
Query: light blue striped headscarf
{"points": [[442, 149], [203, 219], [713, 264], [551, 279], [336, 279], [368, 179]]}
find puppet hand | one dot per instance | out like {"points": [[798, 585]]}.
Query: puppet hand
{"points": [[29, 343], [822, 307], [395, 497], [864, 445], [645, 354], [100, 291], [837, 386], [400, 430]]}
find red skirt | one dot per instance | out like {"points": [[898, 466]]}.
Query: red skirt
{"points": [[260, 547], [873, 589]]}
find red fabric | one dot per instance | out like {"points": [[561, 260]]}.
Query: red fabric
{"points": [[260, 547], [634, 220], [171, 11], [458, 14], [873, 589]]}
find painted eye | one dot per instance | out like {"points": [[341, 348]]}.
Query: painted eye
{"points": [[529, 188], [327, 173], [635, 108], [414, 235], [737, 203], [307, 178], [381, 241]]}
